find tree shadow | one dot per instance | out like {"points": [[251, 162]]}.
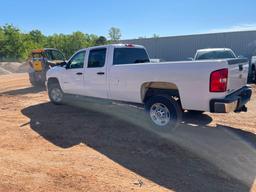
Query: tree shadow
{"points": [[24, 91], [191, 158]]}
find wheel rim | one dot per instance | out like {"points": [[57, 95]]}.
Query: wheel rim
{"points": [[56, 94], [160, 114]]}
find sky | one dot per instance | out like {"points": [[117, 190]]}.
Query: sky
{"points": [[135, 18]]}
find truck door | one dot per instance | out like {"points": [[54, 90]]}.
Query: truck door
{"points": [[95, 78], [73, 76]]}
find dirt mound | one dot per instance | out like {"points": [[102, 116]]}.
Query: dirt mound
{"points": [[13, 67]]}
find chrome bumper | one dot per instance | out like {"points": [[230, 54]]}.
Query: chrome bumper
{"points": [[233, 102], [225, 107]]}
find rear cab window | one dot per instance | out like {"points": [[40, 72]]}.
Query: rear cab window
{"points": [[207, 55], [124, 56]]}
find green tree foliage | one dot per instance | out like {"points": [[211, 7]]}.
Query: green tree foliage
{"points": [[101, 40], [11, 43], [15, 45], [114, 34]]}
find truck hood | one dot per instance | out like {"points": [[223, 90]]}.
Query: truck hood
{"points": [[55, 71]]}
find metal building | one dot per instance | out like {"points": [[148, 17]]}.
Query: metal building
{"points": [[182, 47]]}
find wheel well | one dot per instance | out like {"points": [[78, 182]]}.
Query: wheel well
{"points": [[52, 80], [158, 88]]}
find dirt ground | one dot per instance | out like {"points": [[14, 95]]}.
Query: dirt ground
{"points": [[86, 146]]}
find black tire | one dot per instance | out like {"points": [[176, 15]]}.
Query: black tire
{"points": [[33, 83], [175, 112], [55, 87], [37, 84]]}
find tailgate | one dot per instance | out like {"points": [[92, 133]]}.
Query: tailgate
{"points": [[238, 73]]}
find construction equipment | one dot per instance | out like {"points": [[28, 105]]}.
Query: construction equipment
{"points": [[40, 61]]}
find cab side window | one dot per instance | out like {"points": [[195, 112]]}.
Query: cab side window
{"points": [[77, 61], [97, 58]]}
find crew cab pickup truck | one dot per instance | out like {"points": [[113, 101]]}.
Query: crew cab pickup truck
{"points": [[123, 72]]}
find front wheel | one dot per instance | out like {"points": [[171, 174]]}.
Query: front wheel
{"points": [[164, 112], [56, 94]]}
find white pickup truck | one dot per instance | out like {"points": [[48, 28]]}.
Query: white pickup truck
{"points": [[123, 72], [214, 53]]}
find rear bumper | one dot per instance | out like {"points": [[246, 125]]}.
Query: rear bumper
{"points": [[233, 102]]}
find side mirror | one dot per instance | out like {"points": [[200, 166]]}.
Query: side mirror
{"points": [[190, 59], [63, 64], [66, 66]]}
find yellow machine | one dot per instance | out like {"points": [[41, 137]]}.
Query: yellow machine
{"points": [[37, 65], [41, 61], [37, 59]]}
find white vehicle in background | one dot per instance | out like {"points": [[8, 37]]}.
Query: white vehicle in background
{"points": [[214, 53], [123, 72]]}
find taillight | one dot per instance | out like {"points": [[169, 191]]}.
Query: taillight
{"points": [[219, 80], [129, 45]]}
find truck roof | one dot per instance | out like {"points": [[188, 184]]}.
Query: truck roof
{"points": [[43, 50], [214, 49], [115, 46]]}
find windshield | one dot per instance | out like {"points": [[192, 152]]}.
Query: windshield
{"points": [[37, 55], [204, 55], [53, 55]]}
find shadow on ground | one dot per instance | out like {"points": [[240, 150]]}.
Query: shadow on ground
{"points": [[24, 91], [194, 157]]}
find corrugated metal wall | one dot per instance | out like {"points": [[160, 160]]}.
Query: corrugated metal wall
{"points": [[182, 47]]}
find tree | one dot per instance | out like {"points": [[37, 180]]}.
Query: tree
{"points": [[16, 45], [155, 36], [37, 37], [1, 43], [101, 40], [114, 34], [12, 43]]}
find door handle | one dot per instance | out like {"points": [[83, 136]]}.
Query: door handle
{"points": [[100, 73], [240, 67], [79, 73]]}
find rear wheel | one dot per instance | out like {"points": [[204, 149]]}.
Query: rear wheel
{"points": [[164, 112], [55, 93]]}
